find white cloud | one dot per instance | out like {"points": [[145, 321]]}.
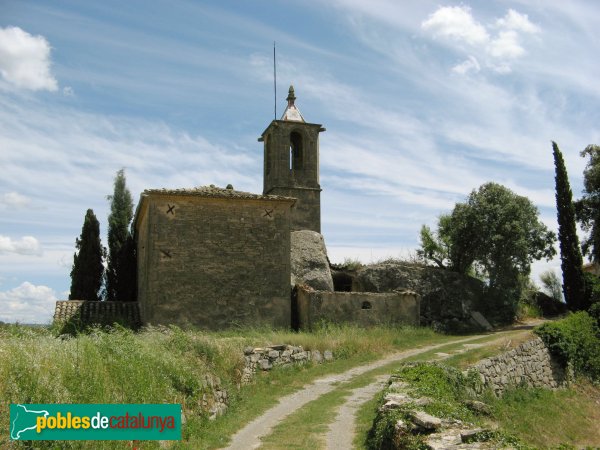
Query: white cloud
{"points": [[458, 26], [14, 200], [506, 46], [513, 20], [68, 91], [457, 23], [27, 245], [467, 65], [27, 303], [25, 60]]}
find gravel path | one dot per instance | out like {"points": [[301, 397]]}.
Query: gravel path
{"points": [[250, 436], [342, 430]]}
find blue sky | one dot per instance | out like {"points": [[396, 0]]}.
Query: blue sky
{"points": [[422, 101]]}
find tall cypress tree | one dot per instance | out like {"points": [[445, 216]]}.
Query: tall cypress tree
{"points": [[570, 254], [86, 274], [120, 271]]}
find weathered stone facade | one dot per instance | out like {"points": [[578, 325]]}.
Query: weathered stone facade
{"points": [[360, 308], [530, 364], [213, 258]]}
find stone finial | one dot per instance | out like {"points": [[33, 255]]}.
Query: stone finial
{"points": [[291, 97]]}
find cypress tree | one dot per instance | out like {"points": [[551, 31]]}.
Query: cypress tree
{"points": [[570, 254], [86, 274], [120, 271]]}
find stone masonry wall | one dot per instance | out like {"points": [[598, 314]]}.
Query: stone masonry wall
{"points": [[214, 262], [278, 355], [530, 364], [361, 308]]}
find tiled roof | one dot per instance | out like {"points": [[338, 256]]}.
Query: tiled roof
{"points": [[89, 312], [215, 192]]}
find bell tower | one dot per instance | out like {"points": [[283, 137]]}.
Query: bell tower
{"points": [[291, 164]]}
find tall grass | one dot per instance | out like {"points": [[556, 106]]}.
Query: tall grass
{"points": [[163, 365]]}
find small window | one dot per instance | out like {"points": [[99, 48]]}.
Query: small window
{"points": [[296, 151], [268, 155], [366, 305]]}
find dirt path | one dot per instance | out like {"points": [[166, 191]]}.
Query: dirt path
{"points": [[250, 436], [342, 430]]}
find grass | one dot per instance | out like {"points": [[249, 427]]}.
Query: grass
{"points": [[547, 419], [306, 427], [168, 365]]}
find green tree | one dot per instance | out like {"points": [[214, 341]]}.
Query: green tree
{"points": [[121, 268], [551, 285], [588, 208], [497, 235], [433, 248], [570, 255], [86, 274]]}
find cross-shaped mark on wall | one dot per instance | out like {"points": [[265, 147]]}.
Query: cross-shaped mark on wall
{"points": [[268, 213], [167, 253], [170, 210]]}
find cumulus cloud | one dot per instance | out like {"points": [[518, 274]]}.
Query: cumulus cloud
{"points": [[27, 245], [27, 303], [457, 23], [498, 45], [469, 65], [514, 20], [14, 200], [25, 60]]}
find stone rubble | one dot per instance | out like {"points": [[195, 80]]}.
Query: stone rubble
{"points": [[440, 434]]}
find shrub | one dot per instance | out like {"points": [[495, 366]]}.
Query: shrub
{"points": [[576, 341]]}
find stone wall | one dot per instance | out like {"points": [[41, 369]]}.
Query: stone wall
{"points": [[360, 308], [447, 297], [530, 364], [81, 313], [213, 258], [265, 358]]}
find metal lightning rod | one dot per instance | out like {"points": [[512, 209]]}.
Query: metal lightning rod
{"points": [[275, 81]]}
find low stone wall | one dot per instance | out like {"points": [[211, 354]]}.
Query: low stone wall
{"points": [[265, 358], [360, 308], [81, 313], [530, 364]]}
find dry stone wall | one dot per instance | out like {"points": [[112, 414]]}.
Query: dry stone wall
{"points": [[265, 358], [530, 364]]}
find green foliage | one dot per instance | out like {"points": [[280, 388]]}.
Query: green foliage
{"points": [[592, 289], [588, 208], [576, 341], [551, 284], [449, 389], [121, 268], [434, 247], [496, 234], [570, 254], [87, 271]]}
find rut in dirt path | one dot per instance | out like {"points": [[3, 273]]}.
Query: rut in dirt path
{"points": [[250, 436]]}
